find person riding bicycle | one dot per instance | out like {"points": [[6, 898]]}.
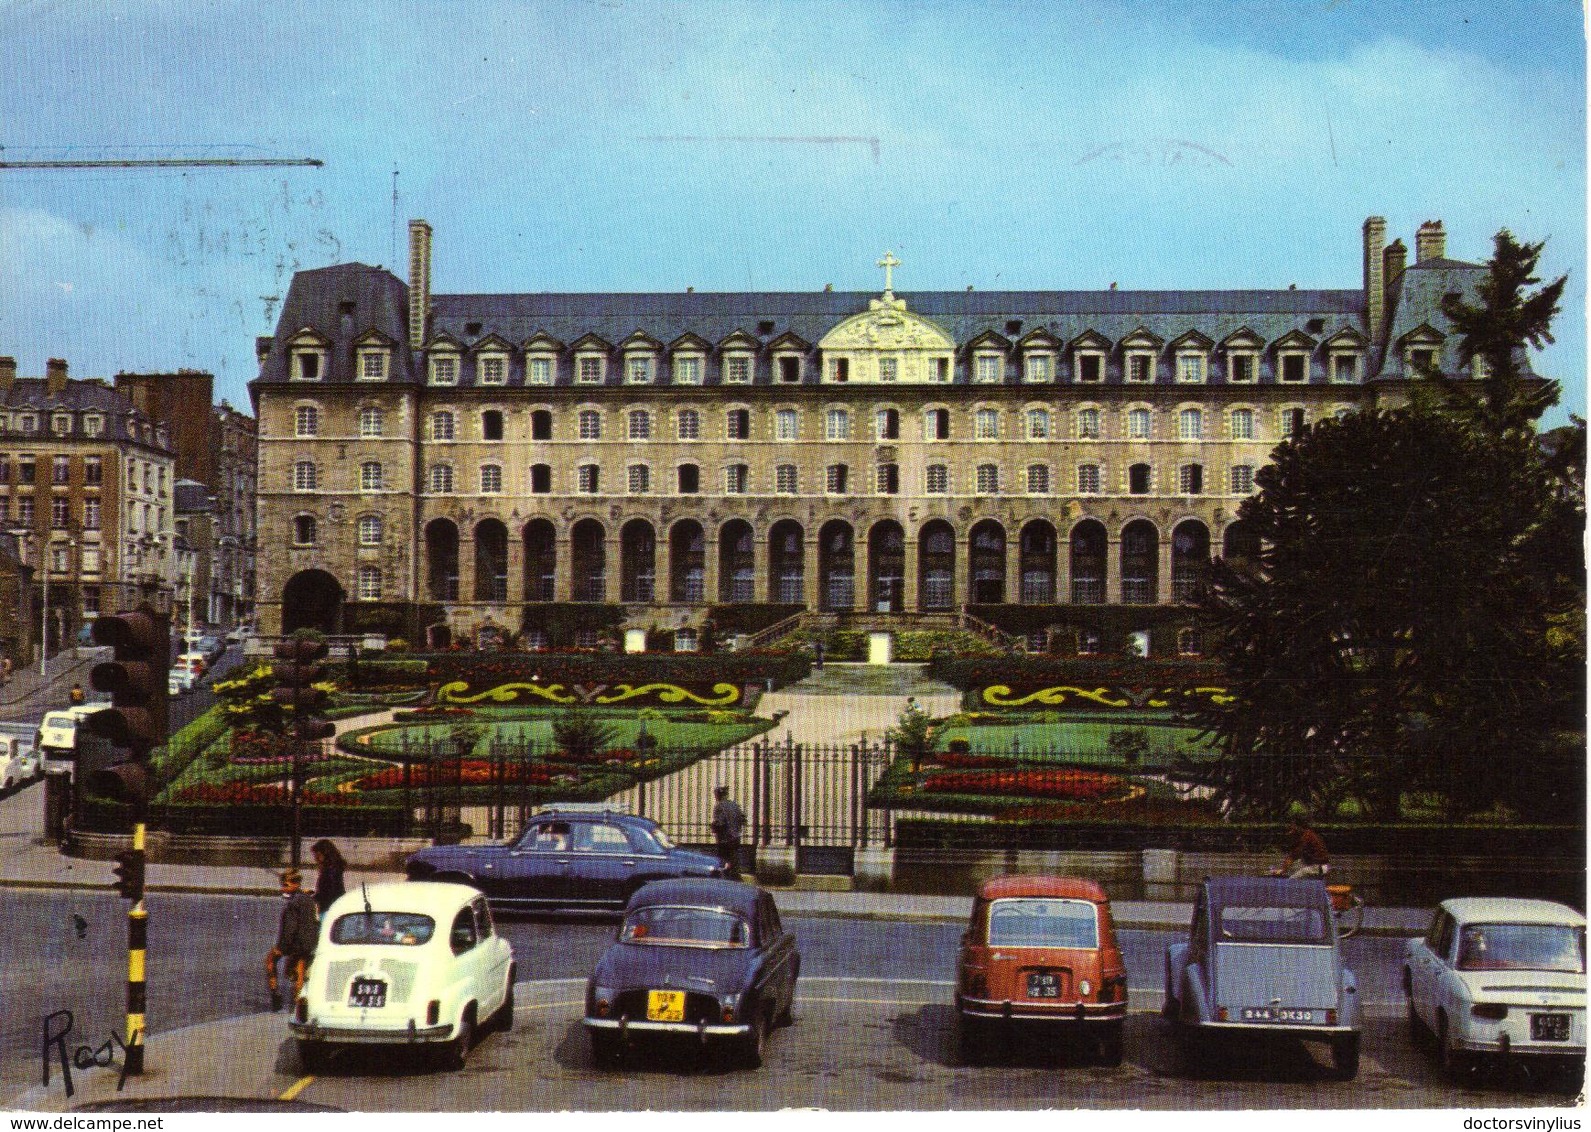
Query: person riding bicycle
{"points": [[1306, 852]]}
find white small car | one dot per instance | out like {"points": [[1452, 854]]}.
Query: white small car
{"points": [[19, 762], [416, 963], [1499, 978]]}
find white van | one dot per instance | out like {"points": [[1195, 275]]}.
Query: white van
{"points": [[56, 741]]}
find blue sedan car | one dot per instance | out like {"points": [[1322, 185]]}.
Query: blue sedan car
{"points": [[705, 961], [582, 860]]}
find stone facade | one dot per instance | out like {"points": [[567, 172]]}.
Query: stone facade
{"points": [[887, 459]]}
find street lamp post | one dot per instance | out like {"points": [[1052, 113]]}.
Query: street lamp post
{"points": [[44, 615]]}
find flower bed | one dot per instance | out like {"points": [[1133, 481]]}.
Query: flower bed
{"points": [[255, 794], [469, 772], [1065, 785]]}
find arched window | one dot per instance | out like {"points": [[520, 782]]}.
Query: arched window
{"points": [[1138, 479], [304, 530], [369, 583], [640, 422], [304, 476], [1242, 424], [370, 530], [370, 476], [306, 421], [540, 425], [540, 479], [491, 479], [1190, 424], [1088, 424], [590, 424], [492, 424], [372, 422], [441, 479], [689, 423], [1139, 424], [1038, 424], [442, 425]]}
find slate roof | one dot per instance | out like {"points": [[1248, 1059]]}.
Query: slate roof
{"points": [[1418, 296], [79, 397], [191, 496], [316, 301]]}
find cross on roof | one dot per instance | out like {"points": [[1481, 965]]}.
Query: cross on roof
{"points": [[889, 263]]}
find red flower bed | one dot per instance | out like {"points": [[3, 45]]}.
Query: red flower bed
{"points": [[257, 794], [1066, 785], [472, 772]]}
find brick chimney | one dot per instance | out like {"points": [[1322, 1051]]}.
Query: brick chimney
{"points": [[419, 280], [8, 374], [262, 348], [1393, 261], [1430, 242], [55, 377], [1375, 243]]}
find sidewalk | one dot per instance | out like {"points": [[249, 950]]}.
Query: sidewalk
{"points": [[26, 685]]}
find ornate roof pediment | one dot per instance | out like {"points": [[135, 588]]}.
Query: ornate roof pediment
{"points": [[543, 341], [739, 340], [444, 342], [1039, 339], [591, 342], [1192, 340], [308, 336], [1294, 340], [1243, 339], [374, 337], [1142, 339], [790, 340], [493, 344], [690, 342], [1423, 335], [887, 325], [1091, 340], [641, 340], [1347, 339]]}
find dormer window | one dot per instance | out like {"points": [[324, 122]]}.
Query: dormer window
{"points": [[493, 369], [687, 369], [1090, 366], [93, 425], [307, 364], [1139, 367], [61, 424], [1421, 359], [737, 369], [637, 369], [1038, 368], [888, 370], [1190, 368], [1346, 367], [1292, 366], [789, 352], [988, 367], [590, 369], [1243, 367], [371, 360], [445, 369]]}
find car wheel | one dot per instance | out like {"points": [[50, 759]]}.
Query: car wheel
{"points": [[755, 1046], [786, 1016], [1452, 1062], [505, 1013], [458, 1050], [607, 1051], [1345, 1057], [1169, 1007], [1419, 1036], [1110, 1045], [311, 1055]]}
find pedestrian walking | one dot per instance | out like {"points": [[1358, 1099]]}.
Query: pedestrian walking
{"points": [[729, 822], [295, 937], [817, 655], [329, 881], [76, 695]]}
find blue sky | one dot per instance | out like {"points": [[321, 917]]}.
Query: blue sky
{"points": [[616, 146]]}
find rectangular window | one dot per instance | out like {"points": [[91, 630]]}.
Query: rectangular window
{"points": [[60, 512], [887, 479], [1038, 479], [936, 424], [688, 479], [835, 479], [735, 479], [987, 422], [5, 510], [590, 370], [1293, 367], [737, 370], [1038, 424], [1190, 369], [837, 425], [373, 367], [1345, 368], [786, 425], [938, 480], [25, 511], [1090, 367], [638, 371], [689, 424], [888, 369], [942, 370], [790, 370], [91, 514], [737, 424], [540, 479], [1243, 368], [93, 471], [539, 371], [590, 425], [60, 469], [840, 371], [987, 369], [93, 426], [589, 479], [5, 469], [1292, 422], [640, 479], [640, 425], [444, 371], [687, 371], [1190, 479], [494, 371], [1242, 424], [1140, 368], [308, 366], [886, 424], [1088, 479], [785, 481], [491, 479], [988, 479], [1038, 368], [1242, 480], [370, 423], [370, 477]]}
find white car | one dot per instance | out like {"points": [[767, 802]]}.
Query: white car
{"points": [[178, 681], [19, 762], [1499, 978], [416, 963]]}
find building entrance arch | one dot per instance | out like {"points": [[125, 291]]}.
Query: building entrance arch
{"points": [[886, 567], [312, 599]]}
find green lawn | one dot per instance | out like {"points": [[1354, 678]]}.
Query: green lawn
{"points": [[1081, 741], [533, 727]]}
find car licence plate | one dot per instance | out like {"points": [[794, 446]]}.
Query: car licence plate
{"points": [[1549, 1027], [368, 993], [665, 1006], [1276, 1014], [1043, 984]]}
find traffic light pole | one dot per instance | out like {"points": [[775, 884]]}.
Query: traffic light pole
{"points": [[137, 950], [298, 796]]}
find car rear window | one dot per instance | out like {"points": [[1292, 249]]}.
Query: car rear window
{"points": [[699, 927], [1521, 947], [397, 929], [1034, 922], [1263, 924]]}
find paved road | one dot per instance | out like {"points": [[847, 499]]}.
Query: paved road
{"points": [[875, 1025]]}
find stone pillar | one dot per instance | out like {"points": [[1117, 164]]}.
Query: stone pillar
{"points": [[1163, 570], [911, 599], [1013, 567], [563, 567], [1113, 570], [962, 572], [709, 566], [613, 568], [811, 552], [1063, 569], [466, 567], [760, 566], [516, 568]]}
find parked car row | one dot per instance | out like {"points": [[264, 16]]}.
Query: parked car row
{"points": [[705, 959]]}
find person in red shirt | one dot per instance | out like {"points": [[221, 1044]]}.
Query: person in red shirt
{"points": [[1306, 852]]}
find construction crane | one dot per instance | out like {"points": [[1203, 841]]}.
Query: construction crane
{"points": [[165, 163]]}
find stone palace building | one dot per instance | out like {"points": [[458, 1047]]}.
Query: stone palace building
{"points": [[1059, 463]]}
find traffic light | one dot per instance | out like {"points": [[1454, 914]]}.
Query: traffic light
{"points": [[298, 671], [130, 874], [137, 683]]}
